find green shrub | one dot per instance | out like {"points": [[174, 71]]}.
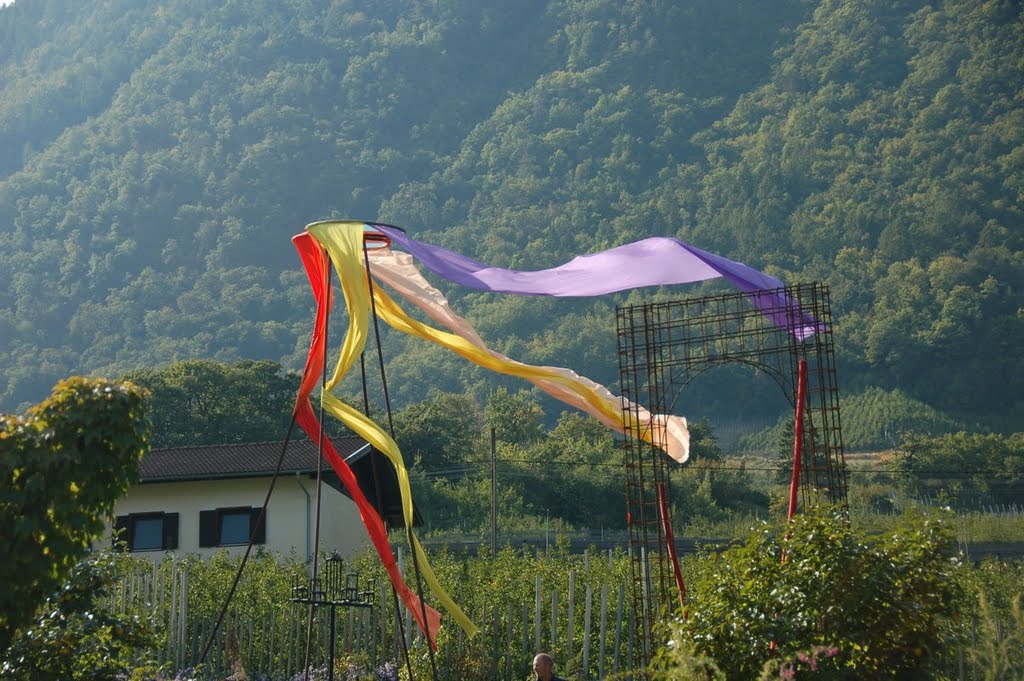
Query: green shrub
{"points": [[75, 637], [886, 604], [62, 467]]}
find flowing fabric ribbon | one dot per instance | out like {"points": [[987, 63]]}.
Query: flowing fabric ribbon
{"points": [[398, 271], [650, 262], [343, 242], [315, 261], [656, 261]]}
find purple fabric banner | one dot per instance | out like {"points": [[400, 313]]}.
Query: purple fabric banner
{"points": [[656, 261]]}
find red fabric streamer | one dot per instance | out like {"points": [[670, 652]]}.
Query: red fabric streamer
{"points": [[798, 437], [670, 542], [317, 265]]}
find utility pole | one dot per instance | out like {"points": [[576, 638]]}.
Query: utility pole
{"points": [[494, 494]]}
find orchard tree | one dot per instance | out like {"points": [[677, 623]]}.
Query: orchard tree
{"points": [[63, 466]]}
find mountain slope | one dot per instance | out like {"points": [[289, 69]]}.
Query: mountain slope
{"points": [[158, 156]]}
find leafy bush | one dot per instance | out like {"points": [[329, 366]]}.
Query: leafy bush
{"points": [[680, 661], [62, 467], [75, 637], [885, 603], [820, 663]]}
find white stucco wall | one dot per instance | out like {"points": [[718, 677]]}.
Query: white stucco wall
{"points": [[290, 522]]}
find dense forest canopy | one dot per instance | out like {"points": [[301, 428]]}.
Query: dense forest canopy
{"points": [[155, 158]]}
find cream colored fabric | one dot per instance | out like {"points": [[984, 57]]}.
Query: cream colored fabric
{"points": [[344, 243], [398, 270]]}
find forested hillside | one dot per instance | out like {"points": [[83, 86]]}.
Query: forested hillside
{"points": [[155, 158]]}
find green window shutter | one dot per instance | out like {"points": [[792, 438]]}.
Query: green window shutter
{"points": [[258, 528], [170, 538], [209, 528]]}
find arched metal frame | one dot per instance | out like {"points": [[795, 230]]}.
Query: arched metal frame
{"points": [[663, 346]]}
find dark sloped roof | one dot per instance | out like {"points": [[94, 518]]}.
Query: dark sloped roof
{"points": [[259, 459], [237, 460]]}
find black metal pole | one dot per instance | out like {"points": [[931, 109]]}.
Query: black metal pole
{"points": [[494, 496], [376, 475], [330, 669], [391, 431]]}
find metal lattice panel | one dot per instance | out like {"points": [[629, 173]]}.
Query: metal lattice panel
{"points": [[663, 346]]}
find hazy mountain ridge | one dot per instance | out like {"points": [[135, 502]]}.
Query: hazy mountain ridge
{"points": [[165, 152]]}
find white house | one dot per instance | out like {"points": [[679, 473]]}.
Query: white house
{"points": [[203, 499]]}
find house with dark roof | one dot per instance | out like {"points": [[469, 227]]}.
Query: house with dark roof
{"points": [[206, 498]]}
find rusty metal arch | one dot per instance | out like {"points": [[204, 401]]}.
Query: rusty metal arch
{"points": [[663, 347]]}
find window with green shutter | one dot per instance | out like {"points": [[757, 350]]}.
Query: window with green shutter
{"points": [[231, 526], [156, 531]]}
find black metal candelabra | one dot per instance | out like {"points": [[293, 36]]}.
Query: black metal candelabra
{"points": [[334, 589]]}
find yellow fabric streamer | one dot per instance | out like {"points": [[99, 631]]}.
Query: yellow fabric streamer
{"points": [[393, 314], [372, 433], [344, 243], [664, 431]]}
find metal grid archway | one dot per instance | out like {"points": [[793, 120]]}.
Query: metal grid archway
{"points": [[663, 346]]}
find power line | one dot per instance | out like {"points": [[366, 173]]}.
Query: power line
{"points": [[934, 474]]}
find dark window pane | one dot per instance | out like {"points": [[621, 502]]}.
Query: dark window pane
{"points": [[234, 527], [147, 534]]}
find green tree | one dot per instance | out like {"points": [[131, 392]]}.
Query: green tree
{"points": [[63, 466], [442, 430], [965, 468], [516, 418], [704, 442], [572, 473], [198, 402]]}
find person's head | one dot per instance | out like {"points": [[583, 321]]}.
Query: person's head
{"points": [[543, 666]]}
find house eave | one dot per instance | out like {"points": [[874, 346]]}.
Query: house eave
{"points": [[223, 476]]}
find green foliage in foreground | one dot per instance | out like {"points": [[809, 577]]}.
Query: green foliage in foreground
{"points": [[75, 637], [886, 605], [62, 467], [985, 634], [914, 596]]}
